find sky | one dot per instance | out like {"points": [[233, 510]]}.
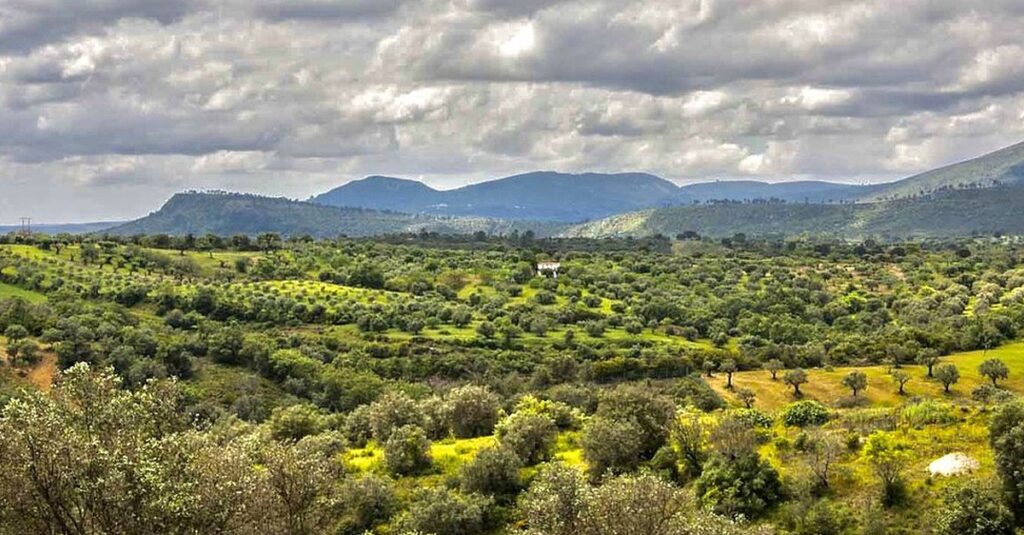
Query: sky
{"points": [[108, 107]]}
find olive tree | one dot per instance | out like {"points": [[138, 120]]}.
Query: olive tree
{"points": [[795, 378], [948, 375], [856, 381], [995, 370]]}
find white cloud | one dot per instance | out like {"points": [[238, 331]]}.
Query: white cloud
{"points": [[290, 97]]}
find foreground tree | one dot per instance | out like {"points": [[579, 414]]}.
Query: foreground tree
{"points": [[1006, 436], [407, 451], [929, 358], [795, 378], [856, 381], [901, 378], [889, 457], [973, 508], [93, 458], [728, 368], [948, 375], [746, 396], [995, 370]]}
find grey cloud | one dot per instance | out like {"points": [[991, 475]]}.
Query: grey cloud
{"points": [[292, 97], [25, 24]]}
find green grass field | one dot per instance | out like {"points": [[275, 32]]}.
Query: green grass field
{"points": [[826, 386], [6, 290]]}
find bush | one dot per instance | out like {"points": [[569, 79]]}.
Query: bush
{"points": [[805, 413], [357, 427], [563, 416], [391, 411], [973, 508], [990, 394], [651, 413], [475, 411], [493, 472], [818, 518], [531, 436], [577, 396], [295, 422], [611, 446], [693, 391], [753, 418], [407, 451], [928, 413], [368, 501], [745, 486], [442, 511]]}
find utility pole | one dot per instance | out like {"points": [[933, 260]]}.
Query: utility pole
{"points": [[26, 226]]}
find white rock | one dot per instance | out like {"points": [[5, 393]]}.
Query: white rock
{"points": [[953, 464]]}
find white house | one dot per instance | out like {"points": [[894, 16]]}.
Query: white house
{"points": [[548, 267]]}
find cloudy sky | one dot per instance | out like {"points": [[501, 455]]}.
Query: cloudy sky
{"points": [[107, 107]]}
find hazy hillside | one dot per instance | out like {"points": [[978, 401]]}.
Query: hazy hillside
{"points": [[226, 214], [946, 213], [1004, 166], [64, 228], [797, 191], [383, 193], [543, 196], [547, 196]]}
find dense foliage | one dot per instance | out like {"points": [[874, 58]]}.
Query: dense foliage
{"points": [[433, 384]]}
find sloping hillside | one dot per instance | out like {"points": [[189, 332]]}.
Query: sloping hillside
{"points": [[226, 214], [543, 196], [946, 213], [1004, 166]]}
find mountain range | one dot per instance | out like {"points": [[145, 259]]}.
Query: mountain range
{"points": [[236, 213], [562, 197], [984, 195]]}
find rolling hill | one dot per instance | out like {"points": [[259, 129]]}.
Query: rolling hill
{"points": [[548, 196], [543, 196], [984, 211], [1002, 167], [234, 213]]}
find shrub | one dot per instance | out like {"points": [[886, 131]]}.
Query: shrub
{"points": [[928, 413], [474, 409], [576, 396], [973, 508], [611, 446], [440, 510], [889, 456], [493, 472], [531, 436], [805, 413], [391, 411], [368, 501], [357, 427], [407, 451], [990, 394], [745, 486], [693, 391], [563, 416], [651, 413], [295, 422], [753, 418], [821, 517]]}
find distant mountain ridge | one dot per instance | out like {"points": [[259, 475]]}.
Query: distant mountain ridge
{"points": [[980, 196], [1002, 167], [562, 197], [946, 213], [237, 213]]}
